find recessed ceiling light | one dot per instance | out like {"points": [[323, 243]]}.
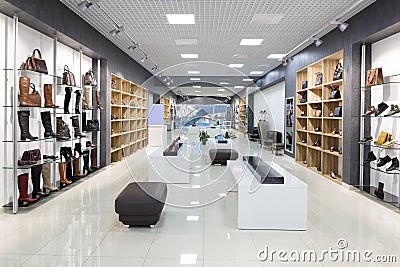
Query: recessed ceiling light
{"points": [[194, 203], [239, 87], [196, 86], [264, 65], [256, 72], [276, 56], [236, 66], [259, 19], [197, 91], [186, 41], [193, 72], [181, 19], [192, 218], [224, 83], [251, 41], [195, 79], [240, 56], [221, 90], [198, 95], [248, 80], [187, 259], [219, 94], [190, 55], [195, 186]]}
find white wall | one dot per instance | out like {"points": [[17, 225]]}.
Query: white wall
{"points": [[273, 100], [385, 54]]}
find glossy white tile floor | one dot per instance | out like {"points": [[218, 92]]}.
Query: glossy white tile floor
{"points": [[80, 227]]}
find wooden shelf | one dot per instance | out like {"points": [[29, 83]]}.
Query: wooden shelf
{"points": [[242, 115]]}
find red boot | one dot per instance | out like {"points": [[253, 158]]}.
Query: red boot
{"points": [[23, 189]]}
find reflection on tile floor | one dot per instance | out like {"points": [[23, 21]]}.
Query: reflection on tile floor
{"points": [[80, 228]]}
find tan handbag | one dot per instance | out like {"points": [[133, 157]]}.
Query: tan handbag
{"points": [[35, 97], [36, 63], [383, 138], [374, 77]]}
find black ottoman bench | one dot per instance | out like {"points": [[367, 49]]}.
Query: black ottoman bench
{"points": [[221, 156], [141, 204]]}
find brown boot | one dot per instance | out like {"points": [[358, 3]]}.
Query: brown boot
{"points": [[62, 167], [48, 96], [24, 83], [76, 168], [23, 189], [86, 99], [46, 174], [98, 100]]}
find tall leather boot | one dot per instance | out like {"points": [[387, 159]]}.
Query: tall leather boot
{"points": [[77, 129], [68, 171], [86, 99], [62, 168], [48, 96], [86, 167], [46, 122], [67, 99], [24, 83], [61, 134], [93, 159], [78, 149], [36, 171], [84, 122], [76, 169], [23, 189], [77, 101], [379, 192], [46, 174], [98, 100], [23, 120]]}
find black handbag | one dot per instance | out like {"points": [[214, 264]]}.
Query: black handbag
{"points": [[319, 78], [30, 157], [92, 125], [304, 98], [338, 111], [335, 93], [338, 74], [304, 85]]}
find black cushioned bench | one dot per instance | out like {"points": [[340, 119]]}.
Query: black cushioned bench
{"points": [[141, 204], [221, 156]]}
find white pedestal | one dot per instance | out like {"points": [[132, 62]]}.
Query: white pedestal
{"points": [[269, 206], [168, 169], [157, 136]]}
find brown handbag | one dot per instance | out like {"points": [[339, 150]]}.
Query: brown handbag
{"points": [[89, 79], [30, 157], [68, 77], [34, 97], [374, 77], [36, 63]]}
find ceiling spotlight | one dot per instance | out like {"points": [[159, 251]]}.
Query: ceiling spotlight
{"points": [[168, 83], [133, 47], [160, 74], [342, 25], [84, 5], [144, 58], [165, 79], [318, 42], [154, 69], [117, 30]]}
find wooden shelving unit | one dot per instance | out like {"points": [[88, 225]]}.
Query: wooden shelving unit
{"points": [[319, 159], [167, 109], [129, 118], [242, 115]]}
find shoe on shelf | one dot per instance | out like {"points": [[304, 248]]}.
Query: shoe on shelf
{"points": [[340, 151], [383, 161], [366, 139], [123, 103], [331, 114], [394, 109], [388, 142], [371, 110], [333, 175], [318, 143], [305, 162], [319, 168], [332, 149], [304, 128], [381, 108], [303, 113], [304, 141], [318, 129], [90, 144], [371, 157], [394, 166], [379, 191]]}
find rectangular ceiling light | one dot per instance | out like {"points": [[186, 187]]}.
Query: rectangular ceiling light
{"points": [[193, 72], [181, 19], [196, 86], [195, 79], [239, 87], [186, 41], [262, 19], [197, 91], [221, 90], [236, 66], [241, 56], [248, 80], [256, 72], [224, 83], [192, 218], [190, 55], [219, 94], [188, 259], [276, 56], [251, 41]]}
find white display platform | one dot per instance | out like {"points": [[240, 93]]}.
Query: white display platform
{"points": [[157, 136], [168, 169], [193, 134], [269, 206]]}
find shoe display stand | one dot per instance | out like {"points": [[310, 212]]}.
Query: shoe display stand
{"points": [[129, 102], [53, 170], [242, 115], [318, 132], [373, 179]]}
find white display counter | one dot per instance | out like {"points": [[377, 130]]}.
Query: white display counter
{"points": [[157, 136], [269, 206]]}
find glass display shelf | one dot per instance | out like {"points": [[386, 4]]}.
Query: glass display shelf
{"points": [[79, 88], [23, 107], [387, 197], [376, 117], [372, 167], [392, 147], [24, 72], [25, 167], [32, 141], [71, 140], [386, 85]]}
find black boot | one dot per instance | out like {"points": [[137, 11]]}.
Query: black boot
{"points": [[78, 149], [84, 123], [93, 159], [64, 153], [394, 166], [86, 167], [77, 129], [371, 157], [46, 121], [379, 192], [383, 161], [67, 99], [23, 120], [77, 101], [69, 171], [36, 171]]}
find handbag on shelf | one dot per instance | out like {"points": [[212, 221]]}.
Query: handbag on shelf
{"points": [[304, 98], [338, 74], [68, 77], [337, 112], [92, 125], [374, 77], [30, 157], [335, 93], [34, 97], [383, 138], [89, 79], [304, 85], [319, 78], [36, 63]]}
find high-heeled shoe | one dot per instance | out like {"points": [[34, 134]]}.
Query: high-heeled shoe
{"points": [[333, 175], [317, 143]]}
